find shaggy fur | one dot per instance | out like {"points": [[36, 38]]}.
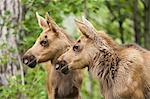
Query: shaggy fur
{"points": [[123, 71]]}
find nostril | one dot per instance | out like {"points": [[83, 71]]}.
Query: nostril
{"points": [[57, 66], [25, 61], [60, 64], [65, 70]]}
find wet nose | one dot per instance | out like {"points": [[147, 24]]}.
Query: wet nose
{"points": [[65, 70], [62, 66], [29, 60]]}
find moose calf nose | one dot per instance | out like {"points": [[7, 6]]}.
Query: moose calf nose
{"points": [[25, 60], [57, 66], [60, 64], [65, 70], [29, 60], [63, 66]]}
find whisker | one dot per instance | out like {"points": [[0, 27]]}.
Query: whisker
{"points": [[34, 60], [31, 61]]}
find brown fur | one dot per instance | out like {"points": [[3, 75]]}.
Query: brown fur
{"points": [[62, 86], [49, 46], [123, 71]]}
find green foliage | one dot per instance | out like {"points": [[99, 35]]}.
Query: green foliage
{"points": [[35, 80], [34, 88], [90, 87], [98, 13]]}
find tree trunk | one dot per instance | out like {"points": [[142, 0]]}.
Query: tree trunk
{"points": [[147, 23], [90, 86], [136, 22], [121, 30], [10, 17], [86, 14]]}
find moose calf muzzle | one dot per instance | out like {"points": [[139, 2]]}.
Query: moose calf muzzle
{"points": [[62, 66], [29, 60]]}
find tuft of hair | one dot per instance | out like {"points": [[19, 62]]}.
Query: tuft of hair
{"points": [[107, 38]]}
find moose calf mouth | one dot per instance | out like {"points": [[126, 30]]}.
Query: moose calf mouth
{"points": [[29, 61]]}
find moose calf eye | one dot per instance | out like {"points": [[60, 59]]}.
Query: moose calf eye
{"points": [[44, 43], [76, 48]]}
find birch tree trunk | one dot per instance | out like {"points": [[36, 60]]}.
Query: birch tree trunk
{"points": [[10, 18]]}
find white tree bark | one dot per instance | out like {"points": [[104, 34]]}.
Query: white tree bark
{"points": [[10, 17]]}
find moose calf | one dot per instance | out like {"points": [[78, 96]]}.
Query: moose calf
{"points": [[123, 72], [48, 47]]}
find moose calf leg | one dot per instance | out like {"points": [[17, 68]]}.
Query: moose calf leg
{"points": [[51, 94]]}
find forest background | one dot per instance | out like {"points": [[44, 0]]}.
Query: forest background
{"points": [[126, 21]]}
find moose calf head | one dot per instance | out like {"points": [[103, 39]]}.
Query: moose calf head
{"points": [[48, 44], [82, 53]]}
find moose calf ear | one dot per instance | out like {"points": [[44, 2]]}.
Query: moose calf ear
{"points": [[88, 23], [83, 28], [52, 24], [87, 29], [41, 21]]}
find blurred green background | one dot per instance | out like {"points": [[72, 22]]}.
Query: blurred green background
{"points": [[126, 21]]}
